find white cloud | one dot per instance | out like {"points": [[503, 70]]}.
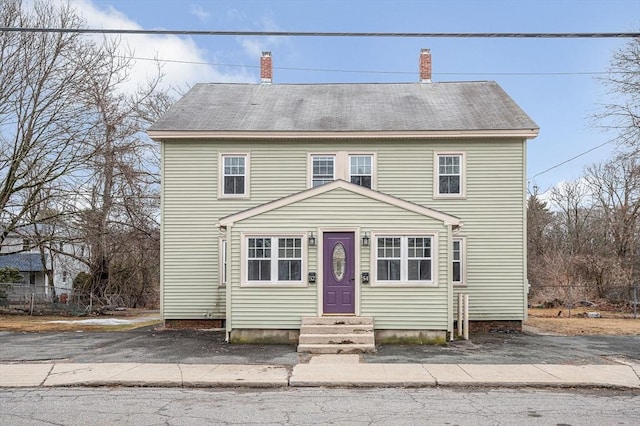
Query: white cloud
{"points": [[167, 47], [199, 13]]}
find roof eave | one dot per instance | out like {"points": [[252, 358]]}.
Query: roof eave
{"points": [[162, 135]]}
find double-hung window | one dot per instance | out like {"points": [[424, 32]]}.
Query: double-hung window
{"points": [[274, 259], [361, 170], [404, 259], [357, 168], [234, 175], [323, 169], [450, 178], [458, 261], [223, 262]]}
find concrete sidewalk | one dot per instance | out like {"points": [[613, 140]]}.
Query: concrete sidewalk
{"points": [[322, 370]]}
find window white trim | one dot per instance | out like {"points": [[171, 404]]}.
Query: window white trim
{"points": [[342, 165], [436, 174], [463, 260], [221, 175], [404, 259], [311, 157], [273, 282], [222, 266], [374, 169]]}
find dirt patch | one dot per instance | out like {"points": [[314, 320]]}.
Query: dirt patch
{"points": [[576, 323], [117, 321]]}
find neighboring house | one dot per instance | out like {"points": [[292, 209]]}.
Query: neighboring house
{"points": [[22, 254], [284, 201], [21, 251]]}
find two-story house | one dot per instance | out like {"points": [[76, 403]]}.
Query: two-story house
{"points": [[48, 257], [286, 201]]}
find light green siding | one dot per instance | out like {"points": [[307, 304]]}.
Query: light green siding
{"points": [[492, 213], [421, 307]]}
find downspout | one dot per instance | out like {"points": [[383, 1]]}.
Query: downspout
{"points": [[162, 220], [229, 287], [449, 281], [525, 277]]}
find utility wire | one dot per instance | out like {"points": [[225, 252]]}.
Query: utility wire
{"points": [[176, 61], [322, 33], [572, 158]]}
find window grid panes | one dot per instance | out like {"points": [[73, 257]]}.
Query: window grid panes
{"points": [[360, 170], [404, 259], [449, 174], [389, 259], [289, 259], [259, 259], [323, 170], [274, 259], [419, 259], [234, 175], [457, 261], [223, 266]]}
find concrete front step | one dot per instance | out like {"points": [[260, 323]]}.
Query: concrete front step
{"points": [[337, 320], [336, 349], [337, 339], [337, 335], [336, 329]]}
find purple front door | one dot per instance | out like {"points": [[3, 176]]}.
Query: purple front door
{"points": [[338, 273]]}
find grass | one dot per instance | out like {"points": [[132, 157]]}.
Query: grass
{"points": [[610, 323], [26, 323], [547, 320]]}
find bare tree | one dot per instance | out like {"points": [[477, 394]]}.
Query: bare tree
{"points": [[622, 114], [42, 129], [120, 192], [73, 153], [539, 219], [615, 185]]}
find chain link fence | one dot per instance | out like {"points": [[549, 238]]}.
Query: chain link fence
{"points": [[26, 298]]}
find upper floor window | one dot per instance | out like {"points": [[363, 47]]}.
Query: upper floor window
{"points": [[28, 244], [274, 259], [361, 170], [357, 168], [323, 169], [404, 259], [234, 175], [450, 178]]}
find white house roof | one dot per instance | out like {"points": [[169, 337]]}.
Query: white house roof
{"points": [[344, 108], [336, 184]]}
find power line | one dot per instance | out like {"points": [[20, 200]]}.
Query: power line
{"points": [[215, 64], [572, 158], [322, 33]]}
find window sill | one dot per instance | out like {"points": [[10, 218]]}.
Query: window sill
{"points": [[274, 285], [404, 284], [449, 197], [234, 197]]}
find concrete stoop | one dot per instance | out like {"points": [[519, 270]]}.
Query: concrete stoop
{"points": [[337, 335]]}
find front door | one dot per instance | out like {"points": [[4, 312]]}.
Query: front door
{"points": [[338, 273]]}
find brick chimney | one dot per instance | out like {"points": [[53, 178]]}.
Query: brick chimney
{"points": [[266, 68], [425, 66]]}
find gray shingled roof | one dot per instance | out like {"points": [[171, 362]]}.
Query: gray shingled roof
{"points": [[345, 107], [24, 262]]}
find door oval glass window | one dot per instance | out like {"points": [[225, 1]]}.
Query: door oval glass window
{"points": [[339, 262]]}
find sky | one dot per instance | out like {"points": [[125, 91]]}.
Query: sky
{"points": [[548, 78]]}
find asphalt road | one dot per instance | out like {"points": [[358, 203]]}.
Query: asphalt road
{"points": [[149, 406], [198, 347]]}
